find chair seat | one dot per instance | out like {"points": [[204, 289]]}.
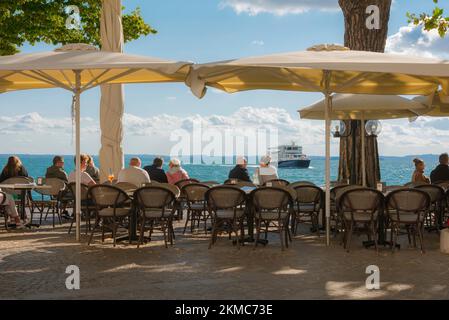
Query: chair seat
{"points": [[361, 217], [229, 213], [197, 206], [305, 207], [407, 218], [157, 213], [272, 215], [119, 212]]}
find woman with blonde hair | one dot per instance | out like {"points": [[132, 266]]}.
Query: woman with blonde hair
{"points": [[91, 169], [175, 172], [418, 174], [13, 168]]}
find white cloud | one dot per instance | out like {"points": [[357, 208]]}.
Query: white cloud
{"points": [[413, 40], [278, 7], [34, 133], [258, 43]]}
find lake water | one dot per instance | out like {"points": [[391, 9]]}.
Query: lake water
{"points": [[395, 170]]}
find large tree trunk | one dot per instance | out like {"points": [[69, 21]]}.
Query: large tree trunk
{"points": [[359, 37]]}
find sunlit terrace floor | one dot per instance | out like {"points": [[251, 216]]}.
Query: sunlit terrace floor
{"points": [[33, 263]]}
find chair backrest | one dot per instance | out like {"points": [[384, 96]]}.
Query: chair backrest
{"points": [[276, 182], [436, 193], [84, 190], [443, 184], [414, 184], [239, 183], [176, 191], [301, 183], [270, 198], [393, 187], [107, 196], [308, 194], [407, 201], [126, 186], [361, 200], [57, 186], [2, 198], [182, 183], [337, 191], [155, 197], [16, 180], [195, 192], [210, 183], [224, 197]]}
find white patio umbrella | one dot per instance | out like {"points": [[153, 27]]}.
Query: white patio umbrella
{"points": [[112, 98], [327, 69], [438, 103], [365, 107], [80, 67]]}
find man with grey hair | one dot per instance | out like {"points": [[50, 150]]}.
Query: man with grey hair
{"points": [[134, 174]]}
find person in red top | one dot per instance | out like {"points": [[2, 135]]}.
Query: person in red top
{"points": [[175, 173]]}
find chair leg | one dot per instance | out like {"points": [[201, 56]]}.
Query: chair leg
{"points": [[349, 237], [420, 235], [142, 231], [164, 231], [258, 226], [187, 221], [114, 231], [97, 222], [214, 226]]}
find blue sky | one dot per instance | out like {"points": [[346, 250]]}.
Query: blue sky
{"points": [[201, 31]]}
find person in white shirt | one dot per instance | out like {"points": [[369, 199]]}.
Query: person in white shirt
{"points": [[266, 171], [134, 174], [85, 177]]}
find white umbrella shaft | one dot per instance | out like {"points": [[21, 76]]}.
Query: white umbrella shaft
{"points": [[78, 151], [362, 137], [328, 166]]}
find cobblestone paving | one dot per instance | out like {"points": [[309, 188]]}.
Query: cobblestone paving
{"points": [[33, 263]]}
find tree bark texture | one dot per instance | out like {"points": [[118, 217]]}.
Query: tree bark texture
{"points": [[359, 37]]}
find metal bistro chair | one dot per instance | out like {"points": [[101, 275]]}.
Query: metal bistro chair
{"points": [[335, 194], [49, 199], [434, 217], [87, 206], [196, 205], [301, 183], [408, 208], [180, 202], [271, 208], [225, 204], [239, 183], [361, 206], [112, 209], [3, 209], [308, 206], [126, 186], [276, 182], [153, 203]]}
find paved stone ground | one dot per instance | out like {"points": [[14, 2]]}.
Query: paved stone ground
{"points": [[33, 263]]}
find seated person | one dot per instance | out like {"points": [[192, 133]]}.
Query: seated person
{"points": [[85, 177], [134, 174], [11, 209], [441, 172], [92, 170], [57, 169], [175, 172], [13, 168], [418, 174], [240, 171], [266, 171], [156, 172]]}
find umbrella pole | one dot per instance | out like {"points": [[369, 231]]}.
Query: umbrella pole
{"points": [[362, 137], [327, 200], [78, 151]]}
